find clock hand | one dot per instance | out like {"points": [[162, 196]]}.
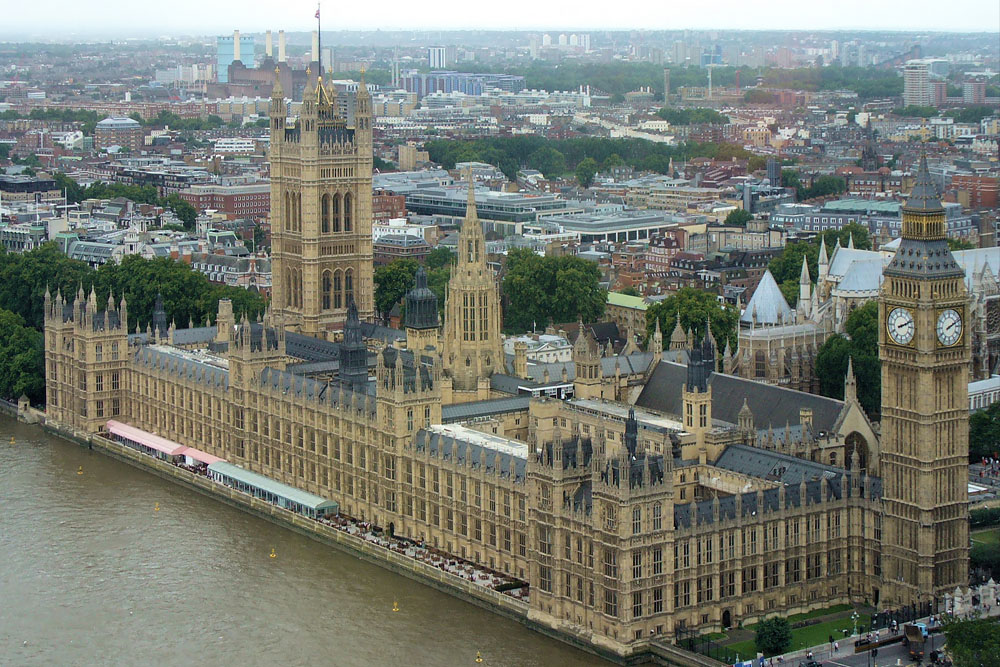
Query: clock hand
{"points": [[950, 327], [903, 325]]}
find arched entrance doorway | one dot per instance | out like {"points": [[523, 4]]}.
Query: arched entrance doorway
{"points": [[727, 619], [856, 445], [391, 530]]}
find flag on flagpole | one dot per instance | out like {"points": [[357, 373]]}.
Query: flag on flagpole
{"points": [[317, 12]]}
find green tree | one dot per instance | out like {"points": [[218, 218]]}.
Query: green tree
{"points": [[539, 290], [549, 161], [918, 111], [184, 211], [629, 291], [773, 636], [585, 172], [441, 256], [984, 432], [739, 216], [692, 116], [974, 643], [392, 282], [613, 160], [22, 359], [861, 346], [696, 307], [960, 244], [24, 278]]}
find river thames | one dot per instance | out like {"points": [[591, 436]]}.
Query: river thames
{"points": [[93, 574]]}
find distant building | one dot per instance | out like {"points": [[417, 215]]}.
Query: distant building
{"points": [[916, 84], [437, 57], [27, 189], [391, 247], [118, 131], [231, 48], [235, 201]]}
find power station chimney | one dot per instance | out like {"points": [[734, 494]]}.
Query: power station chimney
{"points": [[236, 45], [315, 49], [281, 46], [268, 45]]}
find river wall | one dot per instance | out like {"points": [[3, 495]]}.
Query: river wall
{"points": [[498, 603]]}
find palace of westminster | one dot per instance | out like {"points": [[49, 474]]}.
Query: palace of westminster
{"points": [[650, 493]]}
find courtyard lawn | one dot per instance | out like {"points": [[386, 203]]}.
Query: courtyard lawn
{"points": [[988, 536], [811, 635]]}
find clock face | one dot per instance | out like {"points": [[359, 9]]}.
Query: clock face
{"points": [[949, 327], [900, 326]]}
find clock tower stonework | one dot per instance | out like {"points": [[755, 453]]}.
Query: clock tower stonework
{"points": [[925, 353]]}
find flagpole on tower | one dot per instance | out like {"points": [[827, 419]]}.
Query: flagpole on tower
{"points": [[319, 40]]}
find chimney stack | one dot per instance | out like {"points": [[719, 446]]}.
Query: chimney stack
{"points": [[268, 44], [281, 46], [236, 45], [315, 48]]}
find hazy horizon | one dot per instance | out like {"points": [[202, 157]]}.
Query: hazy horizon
{"points": [[62, 20]]}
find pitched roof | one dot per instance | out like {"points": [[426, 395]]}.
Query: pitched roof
{"points": [[770, 404], [924, 196], [768, 303]]}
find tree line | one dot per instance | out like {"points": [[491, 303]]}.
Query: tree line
{"points": [[535, 291], [555, 157], [188, 296]]}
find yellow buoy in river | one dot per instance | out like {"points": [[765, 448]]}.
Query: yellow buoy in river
{"points": [[79, 471], [157, 508], [273, 555], [395, 606], [479, 656]]}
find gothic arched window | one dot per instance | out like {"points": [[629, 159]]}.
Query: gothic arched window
{"points": [[348, 206], [327, 286], [348, 287], [324, 207], [335, 213], [337, 287]]}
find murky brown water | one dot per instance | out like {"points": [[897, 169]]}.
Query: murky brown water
{"points": [[91, 574]]}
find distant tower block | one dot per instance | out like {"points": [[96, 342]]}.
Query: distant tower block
{"points": [[315, 47], [666, 86]]}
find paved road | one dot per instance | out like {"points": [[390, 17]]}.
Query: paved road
{"points": [[887, 655]]}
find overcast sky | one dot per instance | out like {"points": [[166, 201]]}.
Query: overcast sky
{"points": [[62, 19]]}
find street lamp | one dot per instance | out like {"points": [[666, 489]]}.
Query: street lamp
{"points": [[854, 617]]}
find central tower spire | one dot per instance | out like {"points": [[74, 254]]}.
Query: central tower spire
{"points": [[472, 343]]}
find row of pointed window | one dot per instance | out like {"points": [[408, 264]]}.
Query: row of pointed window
{"points": [[337, 288], [336, 212]]}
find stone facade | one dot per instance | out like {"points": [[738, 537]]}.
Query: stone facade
{"points": [[663, 497], [321, 211]]}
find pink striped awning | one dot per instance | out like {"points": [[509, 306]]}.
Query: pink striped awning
{"points": [[168, 447]]}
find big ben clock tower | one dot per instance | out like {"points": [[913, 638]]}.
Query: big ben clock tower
{"points": [[925, 353]]}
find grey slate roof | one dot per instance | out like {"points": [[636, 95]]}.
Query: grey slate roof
{"points": [[703, 511], [494, 406], [182, 365], [309, 348], [194, 336], [768, 303], [773, 466], [770, 404], [449, 447]]}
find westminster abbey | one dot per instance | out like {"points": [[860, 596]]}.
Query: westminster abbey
{"points": [[637, 496]]}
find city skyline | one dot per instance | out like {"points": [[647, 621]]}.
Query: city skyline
{"points": [[187, 17]]}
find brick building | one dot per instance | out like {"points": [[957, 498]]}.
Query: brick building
{"points": [[235, 201]]}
